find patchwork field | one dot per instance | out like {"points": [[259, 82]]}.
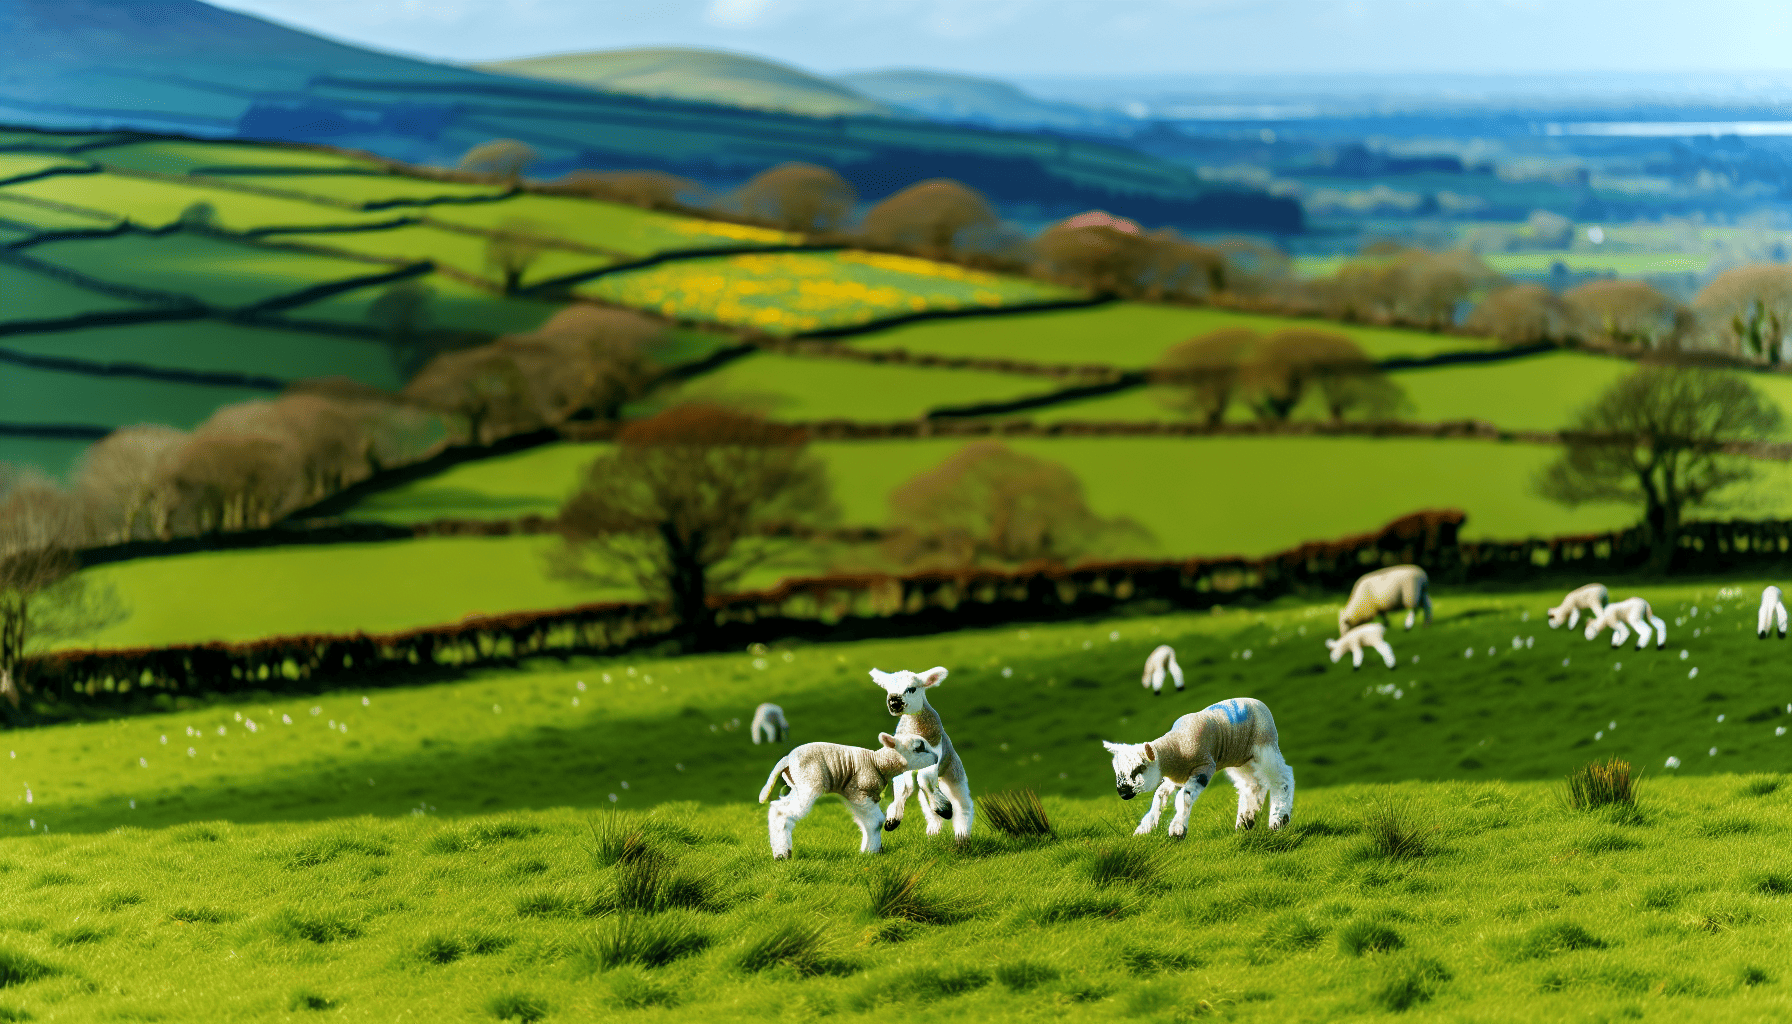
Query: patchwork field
{"points": [[800, 389], [216, 346], [463, 252], [216, 271]]}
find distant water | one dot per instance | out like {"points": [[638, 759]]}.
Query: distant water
{"points": [[1670, 129]]}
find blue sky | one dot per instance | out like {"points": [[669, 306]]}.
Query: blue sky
{"points": [[1076, 38]]}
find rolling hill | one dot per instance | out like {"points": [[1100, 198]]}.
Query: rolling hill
{"points": [[964, 98], [706, 76]]}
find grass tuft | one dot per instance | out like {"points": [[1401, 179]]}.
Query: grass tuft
{"points": [[1133, 862], [1719, 828], [550, 903], [117, 899], [1771, 883], [1561, 937], [1016, 813], [1748, 976], [1608, 842], [79, 935], [1407, 983], [644, 941], [616, 838], [519, 1006], [1290, 933], [649, 885], [1025, 975], [1761, 785], [1392, 832], [10, 1013], [921, 984], [309, 999], [1146, 962], [1264, 840], [18, 968], [319, 928], [1359, 937], [1601, 784], [322, 849], [479, 835], [632, 991], [798, 945], [200, 915], [900, 894]]}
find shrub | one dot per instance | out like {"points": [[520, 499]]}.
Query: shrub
{"points": [[796, 944], [1359, 937], [1550, 939], [1133, 862], [512, 1005], [650, 943], [17, 968], [1022, 975], [320, 928], [896, 893], [1407, 983], [1016, 813], [1391, 831], [1601, 785]]}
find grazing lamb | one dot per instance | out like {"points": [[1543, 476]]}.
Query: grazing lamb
{"points": [[1623, 616], [1772, 608], [1369, 634], [769, 721], [1161, 660], [943, 790], [854, 774], [1238, 735], [1384, 590], [1591, 599]]}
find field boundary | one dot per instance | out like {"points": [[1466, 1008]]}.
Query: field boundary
{"points": [[204, 378]]}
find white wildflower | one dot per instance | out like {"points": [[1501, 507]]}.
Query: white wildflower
{"points": [[1685, 654], [1468, 652], [1115, 635], [1711, 753], [1694, 674], [581, 686], [1673, 762]]}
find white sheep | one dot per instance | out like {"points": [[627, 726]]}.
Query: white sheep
{"points": [[1591, 599], [1238, 735], [1161, 660], [1369, 634], [1385, 590], [944, 791], [769, 722], [1772, 608], [1623, 616], [854, 774]]}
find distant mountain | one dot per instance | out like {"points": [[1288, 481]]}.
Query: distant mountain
{"points": [[962, 98], [706, 76]]}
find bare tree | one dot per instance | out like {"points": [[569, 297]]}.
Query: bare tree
{"points": [[1748, 310], [1629, 313], [503, 159], [1520, 314], [651, 190], [42, 599], [484, 387], [1199, 377], [798, 197], [689, 501], [123, 480], [990, 505], [932, 217], [1657, 438], [512, 248], [1293, 362], [1413, 287], [225, 481]]}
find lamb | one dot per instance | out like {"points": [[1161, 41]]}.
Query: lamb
{"points": [[769, 721], [1623, 616], [1384, 590], [1591, 599], [854, 774], [1162, 659], [1369, 634], [943, 790], [1772, 608], [1238, 735]]}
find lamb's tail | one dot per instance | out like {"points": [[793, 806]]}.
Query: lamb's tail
{"points": [[771, 783], [1422, 599]]}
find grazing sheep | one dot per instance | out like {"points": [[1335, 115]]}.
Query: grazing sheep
{"points": [[1591, 599], [1623, 616], [1161, 660], [943, 790], [1238, 735], [1772, 608], [1369, 634], [769, 721], [1384, 590], [854, 774]]}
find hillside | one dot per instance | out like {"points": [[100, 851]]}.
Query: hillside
{"points": [[706, 76], [965, 98]]}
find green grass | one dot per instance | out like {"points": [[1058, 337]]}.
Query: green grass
{"points": [[174, 157], [34, 296], [798, 389], [44, 218], [218, 346], [50, 396], [13, 165], [785, 293], [1126, 334], [154, 203], [53, 457], [214, 270], [465, 253], [612, 225], [368, 188], [456, 305], [430, 849]]}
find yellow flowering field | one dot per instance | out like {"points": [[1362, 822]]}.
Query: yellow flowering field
{"points": [[789, 293]]}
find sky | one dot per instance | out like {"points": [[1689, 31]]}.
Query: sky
{"points": [[1091, 38]]}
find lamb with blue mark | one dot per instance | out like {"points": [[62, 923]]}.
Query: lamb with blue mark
{"points": [[1237, 735]]}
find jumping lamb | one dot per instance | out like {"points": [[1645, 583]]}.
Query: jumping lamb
{"points": [[856, 775], [1772, 608], [1623, 616], [1161, 660], [1238, 735], [1369, 634], [943, 790], [1591, 599], [1385, 590], [769, 722]]}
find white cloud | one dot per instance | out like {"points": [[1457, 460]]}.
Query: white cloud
{"points": [[736, 13]]}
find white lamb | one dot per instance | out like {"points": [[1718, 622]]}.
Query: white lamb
{"points": [[1623, 616], [1369, 634], [1161, 660], [1238, 735], [1385, 590], [1591, 599], [944, 791], [1772, 608], [769, 722], [854, 774]]}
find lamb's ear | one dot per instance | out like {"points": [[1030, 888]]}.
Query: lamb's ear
{"points": [[877, 677], [1150, 753], [933, 676], [887, 740], [1113, 748]]}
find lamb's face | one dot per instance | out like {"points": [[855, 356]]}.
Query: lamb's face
{"points": [[1594, 624], [915, 751], [905, 692], [1337, 649], [1557, 616], [1135, 768]]}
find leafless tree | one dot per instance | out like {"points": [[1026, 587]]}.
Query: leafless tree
{"points": [[1633, 314], [503, 159], [1520, 314], [1411, 287], [1748, 310], [1199, 377], [932, 217], [1293, 362], [798, 197], [1656, 438], [225, 481], [123, 480], [689, 501], [42, 599]]}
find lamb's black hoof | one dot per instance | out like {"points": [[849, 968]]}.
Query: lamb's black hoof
{"points": [[944, 811], [892, 824]]}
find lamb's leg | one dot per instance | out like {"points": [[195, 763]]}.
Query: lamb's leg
{"points": [[782, 816], [1280, 779], [1661, 632], [1148, 823], [927, 785], [1356, 657], [1574, 618], [958, 792], [1411, 616], [1642, 634], [1185, 802], [1620, 633], [1779, 610], [871, 823], [899, 790], [1250, 796], [1386, 651]]}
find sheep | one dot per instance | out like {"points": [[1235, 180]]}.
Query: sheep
{"points": [[943, 791], [1772, 608], [856, 775], [1369, 634], [1379, 592], [1623, 616], [769, 721], [1162, 659], [1238, 735], [1591, 599]]}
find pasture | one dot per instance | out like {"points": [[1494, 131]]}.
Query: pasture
{"points": [[461, 251], [216, 271], [155, 203], [451, 851], [215, 346]]}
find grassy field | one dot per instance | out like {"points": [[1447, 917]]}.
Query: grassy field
{"points": [[171, 156], [153, 203], [454, 303], [439, 851], [466, 253], [786, 293], [1125, 334], [212, 345], [800, 389], [215, 271], [29, 395], [17, 165], [611, 225], [34, 296], [37, 218], [368, 188]]}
